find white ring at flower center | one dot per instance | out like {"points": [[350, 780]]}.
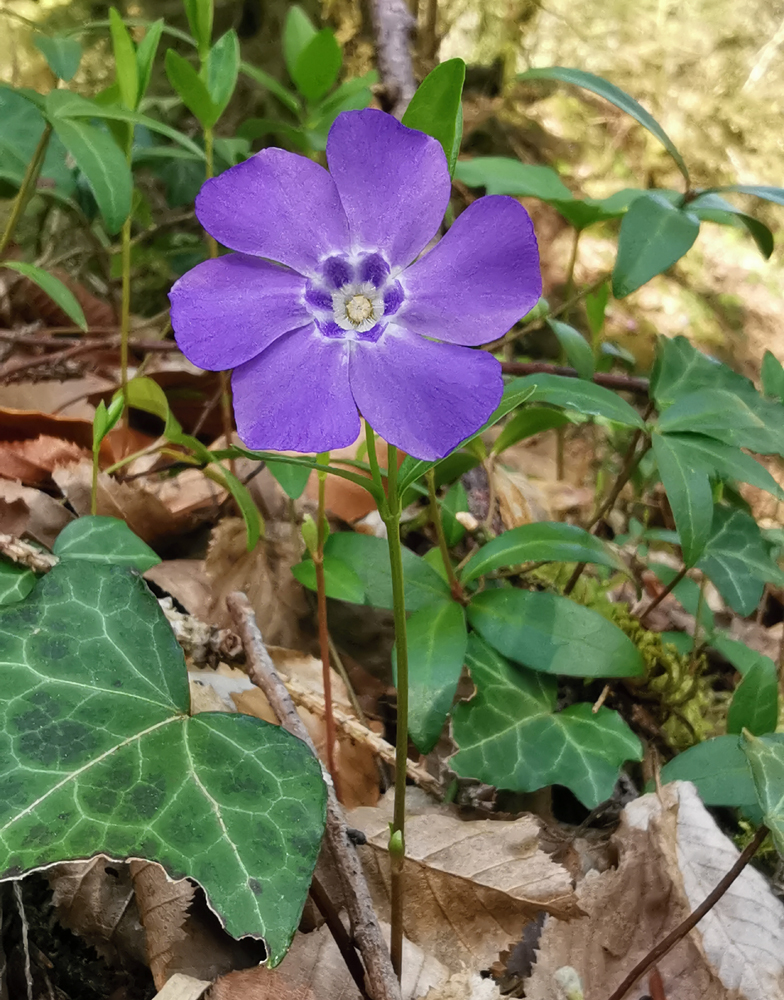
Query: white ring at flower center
{"points": [[357, 306]]}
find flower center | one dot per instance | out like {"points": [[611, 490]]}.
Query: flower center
{"points": [[359, 308]]}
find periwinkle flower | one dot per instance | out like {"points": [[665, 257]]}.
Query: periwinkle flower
{"points": [[327, 310]]}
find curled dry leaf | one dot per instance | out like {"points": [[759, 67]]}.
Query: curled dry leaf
{"points": [[672, 854], [30, 512], [31, 461], [471, 885]]}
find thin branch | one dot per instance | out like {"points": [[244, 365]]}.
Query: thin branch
{"points": [[610, 380], [383, 984], [393, 24], [666, 592]]}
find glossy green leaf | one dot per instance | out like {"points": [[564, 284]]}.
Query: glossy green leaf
{"points": [[719, 770], [654, 235], [223, 66], [755, 703], [576, 348], [199, 13], [100, 755], [436, 108], [317, 66], [105, 540], [503, 175], [529, 421], [725, 461], [353, 94], [292, 479], [369, 558], [540, 541], [298, 32], [63, 54], [553, 634], [714, 208], [145, 394], [191, 89], [340, 580], [510, 736], [765, 755], [737, 560], [596, 306], [145, 54], [774, 194], [744, 421], [104, 166], [603, 88], [680, 369], [772, 377], [124, 60], [16, 582], [106, 418], [437, 640], [23, 124], [254, 524], [53, 287], [739, 654], [455, 501], [580, 395], [269, 83], [689, 493]]}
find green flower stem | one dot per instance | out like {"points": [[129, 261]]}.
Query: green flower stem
{"points": [[435, 517], [321, 594], [27, 187], [94, 484]]}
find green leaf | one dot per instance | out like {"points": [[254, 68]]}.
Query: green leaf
{"points": [[223, 66], [772, 377], [714, 208], [269, 83], [61, 53], [687, 592], [191, 88], [298, 32], [503, 175], [53, 287], [437, 640], [124, 61], [145, 54], [542, 541], [16, 582], [680, 369], [765, 756], [369, 558], [550, 633], [654, 235], [745, 421], [755, 704], [101, 161], [576, 348], [719, 770], [614, 95], [580, 395], [23, 125], [738, 654], [774, 194], [690, 496], [596, 306], [455, 501], [436, 108], [725, 461], [510, 736], [106, 418], [145, 394], [254, 525], [353, 94], [317, 66], [100, 756], [200, 14], [529, 421], [340, 580], [292, 479], [104, 540], [737, 560]]}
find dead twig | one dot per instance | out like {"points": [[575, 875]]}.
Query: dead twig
{"points": [[26, 554], [393, 23], [383, 984]]}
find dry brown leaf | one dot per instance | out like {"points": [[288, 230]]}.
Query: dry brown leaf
{"points": [[32, 461], [264, 575], [314, 969], [519, 501], [186, 580], [42, 518], [470, 886], [64, 399], [671, 855], [465, 986]]}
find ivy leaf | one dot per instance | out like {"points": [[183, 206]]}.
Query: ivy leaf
{"points": [[105, 540], [553, 634], [436, 108], [719, 770], [16, 582], [580, 395], [680, 369], [765, 755], [53, 287], [746, 421], [755, 703], [510, 736], [540, 541], [738, 561], [654, 235], [725, 461], [690, 496], [99, 755]]}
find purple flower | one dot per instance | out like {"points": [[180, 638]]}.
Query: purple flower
{"points": [[348, 320]]}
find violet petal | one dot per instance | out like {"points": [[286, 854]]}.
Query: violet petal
{"points": [[393, 183], [479, 279], [226, 311], [295, 395], [422, 396], [278, 205]]}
